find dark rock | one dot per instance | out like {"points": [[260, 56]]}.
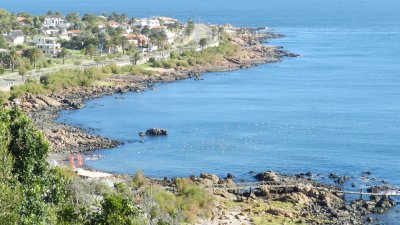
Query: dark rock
{"points": [[309, 174], [385, 203], [229, 176], [333, 176], [141, 134], [156, 132]]}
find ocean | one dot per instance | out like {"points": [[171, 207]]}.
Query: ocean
{"points": [[334, 109]]}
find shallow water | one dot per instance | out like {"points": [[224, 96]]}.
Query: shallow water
{"points": [[336, 108]]}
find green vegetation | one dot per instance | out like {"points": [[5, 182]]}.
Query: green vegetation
{"points": [[57, 81], [208, 56], [32, 192]]}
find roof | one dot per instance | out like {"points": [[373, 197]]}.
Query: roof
{"points": [[135, 36], [73, 31], [158, 27], [21, 18], [17, 33]]}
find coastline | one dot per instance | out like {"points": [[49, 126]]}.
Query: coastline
{"points": [[44, 109], [67, 139]]}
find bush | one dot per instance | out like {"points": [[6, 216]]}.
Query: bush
{"points": [[115, 69], [2, 70], [168, 64], [31, 86], [77, 62], [139, 180], [4, 97], [22, 71]]}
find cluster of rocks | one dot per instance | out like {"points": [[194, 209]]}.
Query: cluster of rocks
{"points": [[316, 202], [65, 138]]}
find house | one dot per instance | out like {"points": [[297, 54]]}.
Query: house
{"points": [[158, 28], [114, 24], [48, 45], [168, 21], [137, 39], [22, 20], [51, 32], [170, 37], [15, 37], [147, 23], [55, 22]]}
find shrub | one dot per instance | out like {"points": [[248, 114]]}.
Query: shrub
{"points": [[4, 97], [2, 70], [168, 64], [139, 180], [77, 62], [115, 69], [22, 71]]}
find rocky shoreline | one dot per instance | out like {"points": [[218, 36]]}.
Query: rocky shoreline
{"points": [[284, 199], [44, 109]]}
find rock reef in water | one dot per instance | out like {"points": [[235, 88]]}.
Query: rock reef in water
{"points": [[156, 132]]}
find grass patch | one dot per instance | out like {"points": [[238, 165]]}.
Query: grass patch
{"points": [[62, 79]]}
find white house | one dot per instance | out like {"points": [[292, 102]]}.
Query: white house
{"points": [[170, 36], [147, 23], [55, 22], [48, 45], [15, 37]]}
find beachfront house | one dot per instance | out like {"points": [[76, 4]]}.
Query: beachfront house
{"points": [[52, 22], [168, 21], [146, 23], [48, 45], [14, 37]]}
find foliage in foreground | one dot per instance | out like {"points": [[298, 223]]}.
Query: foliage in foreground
{"points": [[32, 192]]}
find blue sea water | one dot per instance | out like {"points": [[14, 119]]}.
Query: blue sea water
{"points": [[334, 109]]}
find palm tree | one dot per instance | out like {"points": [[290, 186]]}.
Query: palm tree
{"points": [[161, 39], [123, 40], [135, 57], [108, 45], [34, 55], [13, 56], [63, 53], [203, 42], [90, 50]]}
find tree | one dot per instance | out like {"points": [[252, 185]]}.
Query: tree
{"points": [[118, 209], [72, 17], [13, 56], [123, 40], [34, 54], [203, 42], [63, 53], [28, 149], [108, 45], [90, 50], [3, 42], [190, 27], [135, 57]]}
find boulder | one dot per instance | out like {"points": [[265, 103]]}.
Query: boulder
{"points": [[267, 176], [385, 203], [156, 132], [280, 212], [49, 101], [211, 177], [296, 197]]}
